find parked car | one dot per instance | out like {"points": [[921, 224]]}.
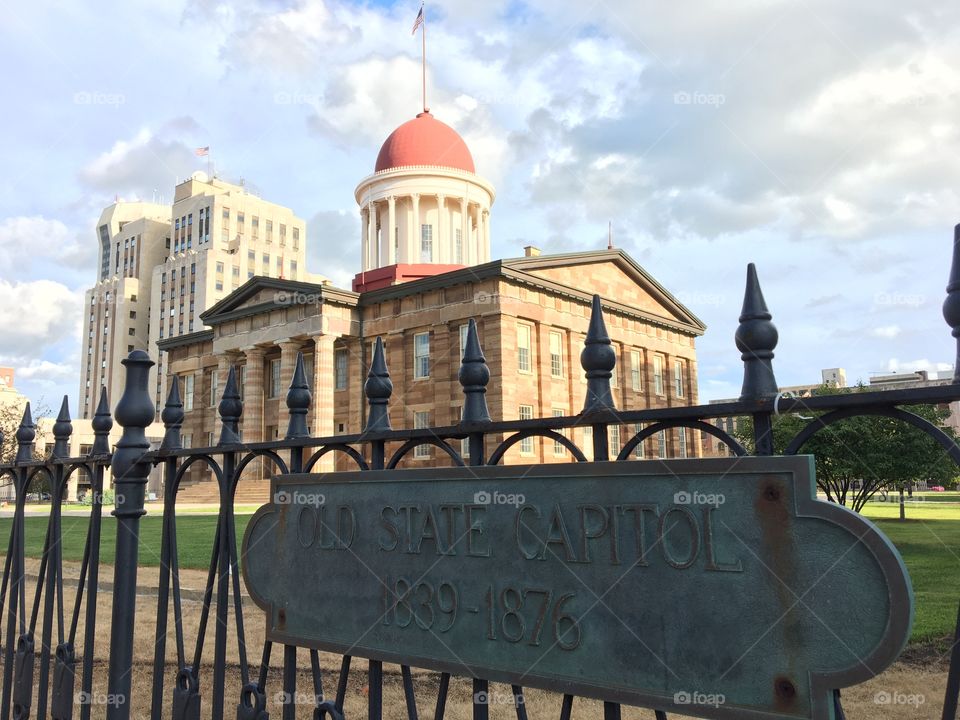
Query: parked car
{"points": [[937, 488]]}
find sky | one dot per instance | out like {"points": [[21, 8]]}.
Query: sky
{"points": [[819, 140]]}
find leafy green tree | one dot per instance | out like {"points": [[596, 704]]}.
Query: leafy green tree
{"points": [[858, 457]]}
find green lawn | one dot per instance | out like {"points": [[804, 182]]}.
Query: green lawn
{"points": [[194, 538], [929, 541]]}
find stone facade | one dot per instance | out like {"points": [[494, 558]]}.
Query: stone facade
{"points": [[532, 315]]}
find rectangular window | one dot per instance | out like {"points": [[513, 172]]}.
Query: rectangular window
{"points": [[525, 412], [682, 441], [458, 246], [463, 339], [340, 369], [523, 347], [296, 238], [558, 449], [658, 374], [214, 385], [187, 392], [274, 378], [421, 355], [421, 420], [662, 444], [678, 377], [426, 243], [556, 354], [638, 450], [613, 436], [635, 369]]}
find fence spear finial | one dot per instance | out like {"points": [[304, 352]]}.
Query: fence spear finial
{"points": [[598, 360], [951, 306], [62, 430], [474, 376], [230, 409], [102, 424], [26, 434], [298, 402], [172, 416], [378, 388], [756, 338]]}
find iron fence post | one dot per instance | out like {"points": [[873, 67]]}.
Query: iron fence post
{"points": [[474, 375], [598, 359], [756, 338], [951, 306], [134, 413]]}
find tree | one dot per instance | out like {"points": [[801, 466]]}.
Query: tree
{"points": [[10, 416], [860, 456]]}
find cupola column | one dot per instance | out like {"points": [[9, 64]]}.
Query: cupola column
{"points": [[485, 247], [415, 235], [364, 250], [392, 245], [441, 244], [465, 231], [372, 236]]}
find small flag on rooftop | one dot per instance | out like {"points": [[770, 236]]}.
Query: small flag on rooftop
{"points": [[202, 151], [418, 22]]}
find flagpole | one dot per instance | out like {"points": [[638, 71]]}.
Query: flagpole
{"points": [[424, 33]]}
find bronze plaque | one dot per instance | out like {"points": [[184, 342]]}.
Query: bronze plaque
{"points": [[719, 588]]}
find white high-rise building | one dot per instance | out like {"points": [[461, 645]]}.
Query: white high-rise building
{"points": [[221, 236], [162, 266], [133, 237]]}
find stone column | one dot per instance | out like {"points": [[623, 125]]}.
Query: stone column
{"points": [[364, 251], [288, 363], [486, 237], [415, 235], [322, 406], [441, 243], [251, 421], [371, 237], [392, 231], [252, 418], [465, 230]]}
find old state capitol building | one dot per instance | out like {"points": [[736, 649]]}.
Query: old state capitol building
{"points": [[425, 272]]}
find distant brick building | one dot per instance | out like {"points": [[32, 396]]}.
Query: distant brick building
{"points": [[418, 293]]}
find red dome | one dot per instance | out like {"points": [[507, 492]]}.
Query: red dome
{"points": [[425, 141]]}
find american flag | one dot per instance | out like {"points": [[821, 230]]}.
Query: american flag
{"points": [[202, 152], [418, 22]]}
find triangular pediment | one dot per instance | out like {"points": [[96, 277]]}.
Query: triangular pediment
{"points": [[616, 277]]}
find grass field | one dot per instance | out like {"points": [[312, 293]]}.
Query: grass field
{"points": [[929, 541]]}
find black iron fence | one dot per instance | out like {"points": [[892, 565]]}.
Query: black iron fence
{"points": [[51, 636]]}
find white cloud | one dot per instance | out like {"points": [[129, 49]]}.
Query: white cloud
{"points": [[145, 165], [35, 316], [887, 332], [26, 238]]}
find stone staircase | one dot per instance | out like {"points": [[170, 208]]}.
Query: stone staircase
{"points": [[250, 491]]}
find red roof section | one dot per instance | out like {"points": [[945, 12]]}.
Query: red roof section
{"points": [[425, 141]]}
